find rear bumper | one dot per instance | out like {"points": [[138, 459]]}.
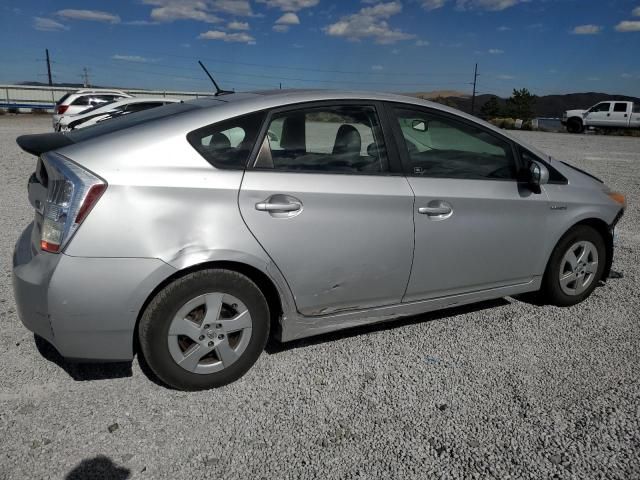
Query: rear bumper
{"points": [[85, 307]]}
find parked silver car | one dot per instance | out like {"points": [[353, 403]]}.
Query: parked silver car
{"points": [[189, 232]]}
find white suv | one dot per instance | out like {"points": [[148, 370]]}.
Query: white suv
{"points": [[76, 102]]}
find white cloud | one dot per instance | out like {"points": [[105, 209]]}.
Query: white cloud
{"points": [[505, 77], [422, 43], [172, 10], [370, 22], [290, 5], [239, 37], [288, 19], [504, 28], [586, 30], [494, 5], [280, 28], [626, 75], [593, 79], [133, 58], [495, 51], [233, 7], [48, 25], [377, 68], [238, 25], [628, 26], [91, 15], [636, 12], [141, 23], [433, 4]]}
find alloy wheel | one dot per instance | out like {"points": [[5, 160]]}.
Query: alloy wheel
{"points": [[578, 268], [209, 333]]}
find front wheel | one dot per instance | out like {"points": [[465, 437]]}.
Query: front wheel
{"points": [[575, 267], [575, 125], [205, 329]]}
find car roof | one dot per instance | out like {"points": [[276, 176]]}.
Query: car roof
{"points": [[127, 101]]}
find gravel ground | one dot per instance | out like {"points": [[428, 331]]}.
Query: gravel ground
{"points": [[501, 390]]}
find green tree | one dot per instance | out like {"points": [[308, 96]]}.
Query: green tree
{"points": [[491, 108], [521, 103]]}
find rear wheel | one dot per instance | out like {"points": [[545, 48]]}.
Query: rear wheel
{"points": [[204, 330], [575, 268]]}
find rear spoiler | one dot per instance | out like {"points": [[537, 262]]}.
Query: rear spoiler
{"points": [[40, 143]]}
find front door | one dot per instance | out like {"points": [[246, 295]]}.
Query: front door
{"points": [[599, 115], [476, 227], [323, 201]]}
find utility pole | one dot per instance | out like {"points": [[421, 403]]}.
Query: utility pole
{"points": [[49, 67], [473, 97], [280, 85], [85, 76]]}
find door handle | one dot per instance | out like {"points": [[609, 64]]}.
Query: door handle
{"points": [[277, 207], [435, 210]]}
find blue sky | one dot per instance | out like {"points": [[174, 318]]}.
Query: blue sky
{"points": [[548, 46]]}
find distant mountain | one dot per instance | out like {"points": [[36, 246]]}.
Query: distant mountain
{"points": [[545, 106], [64, 85]]}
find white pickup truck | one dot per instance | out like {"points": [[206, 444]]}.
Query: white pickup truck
{"points": [[609, 114]]}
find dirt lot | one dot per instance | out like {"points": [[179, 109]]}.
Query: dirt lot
{"points": [[501, 390]]}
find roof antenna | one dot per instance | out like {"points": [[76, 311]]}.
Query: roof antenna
{"points": [[219, 91]]}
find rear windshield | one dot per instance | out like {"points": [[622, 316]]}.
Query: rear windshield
{"points": [[130, 120], [91, 109], [64, 97]]}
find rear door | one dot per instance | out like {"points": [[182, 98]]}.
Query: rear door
{"points": [[326, 199], [620, 114], [476, 227]]}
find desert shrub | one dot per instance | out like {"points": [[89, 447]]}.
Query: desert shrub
{"points": [[39, 111], [509, 124], [528, 125], [13, 110], [2, 112]]}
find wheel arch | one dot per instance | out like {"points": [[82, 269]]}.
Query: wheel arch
{"points": [[603, 229], [266, 285]]}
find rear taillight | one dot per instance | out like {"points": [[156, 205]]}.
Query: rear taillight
{"points": [[72, 193], [61, 109]]}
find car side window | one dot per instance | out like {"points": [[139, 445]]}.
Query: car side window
{"points": [[620, 107], [138, 107], [442, 147], [331, 139], [81, 101], [601, 107], [229, 143]]}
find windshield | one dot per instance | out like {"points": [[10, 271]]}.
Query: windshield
{"points": [[130, 120]]}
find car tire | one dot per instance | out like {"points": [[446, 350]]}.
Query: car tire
{"points": [[575, 267], [197, 348], [574, 125]]}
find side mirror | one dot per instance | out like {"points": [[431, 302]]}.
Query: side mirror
{"points": [[420, 125], [538, 176]]}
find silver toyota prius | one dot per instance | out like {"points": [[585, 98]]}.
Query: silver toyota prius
{"points": [[191, 232]]}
